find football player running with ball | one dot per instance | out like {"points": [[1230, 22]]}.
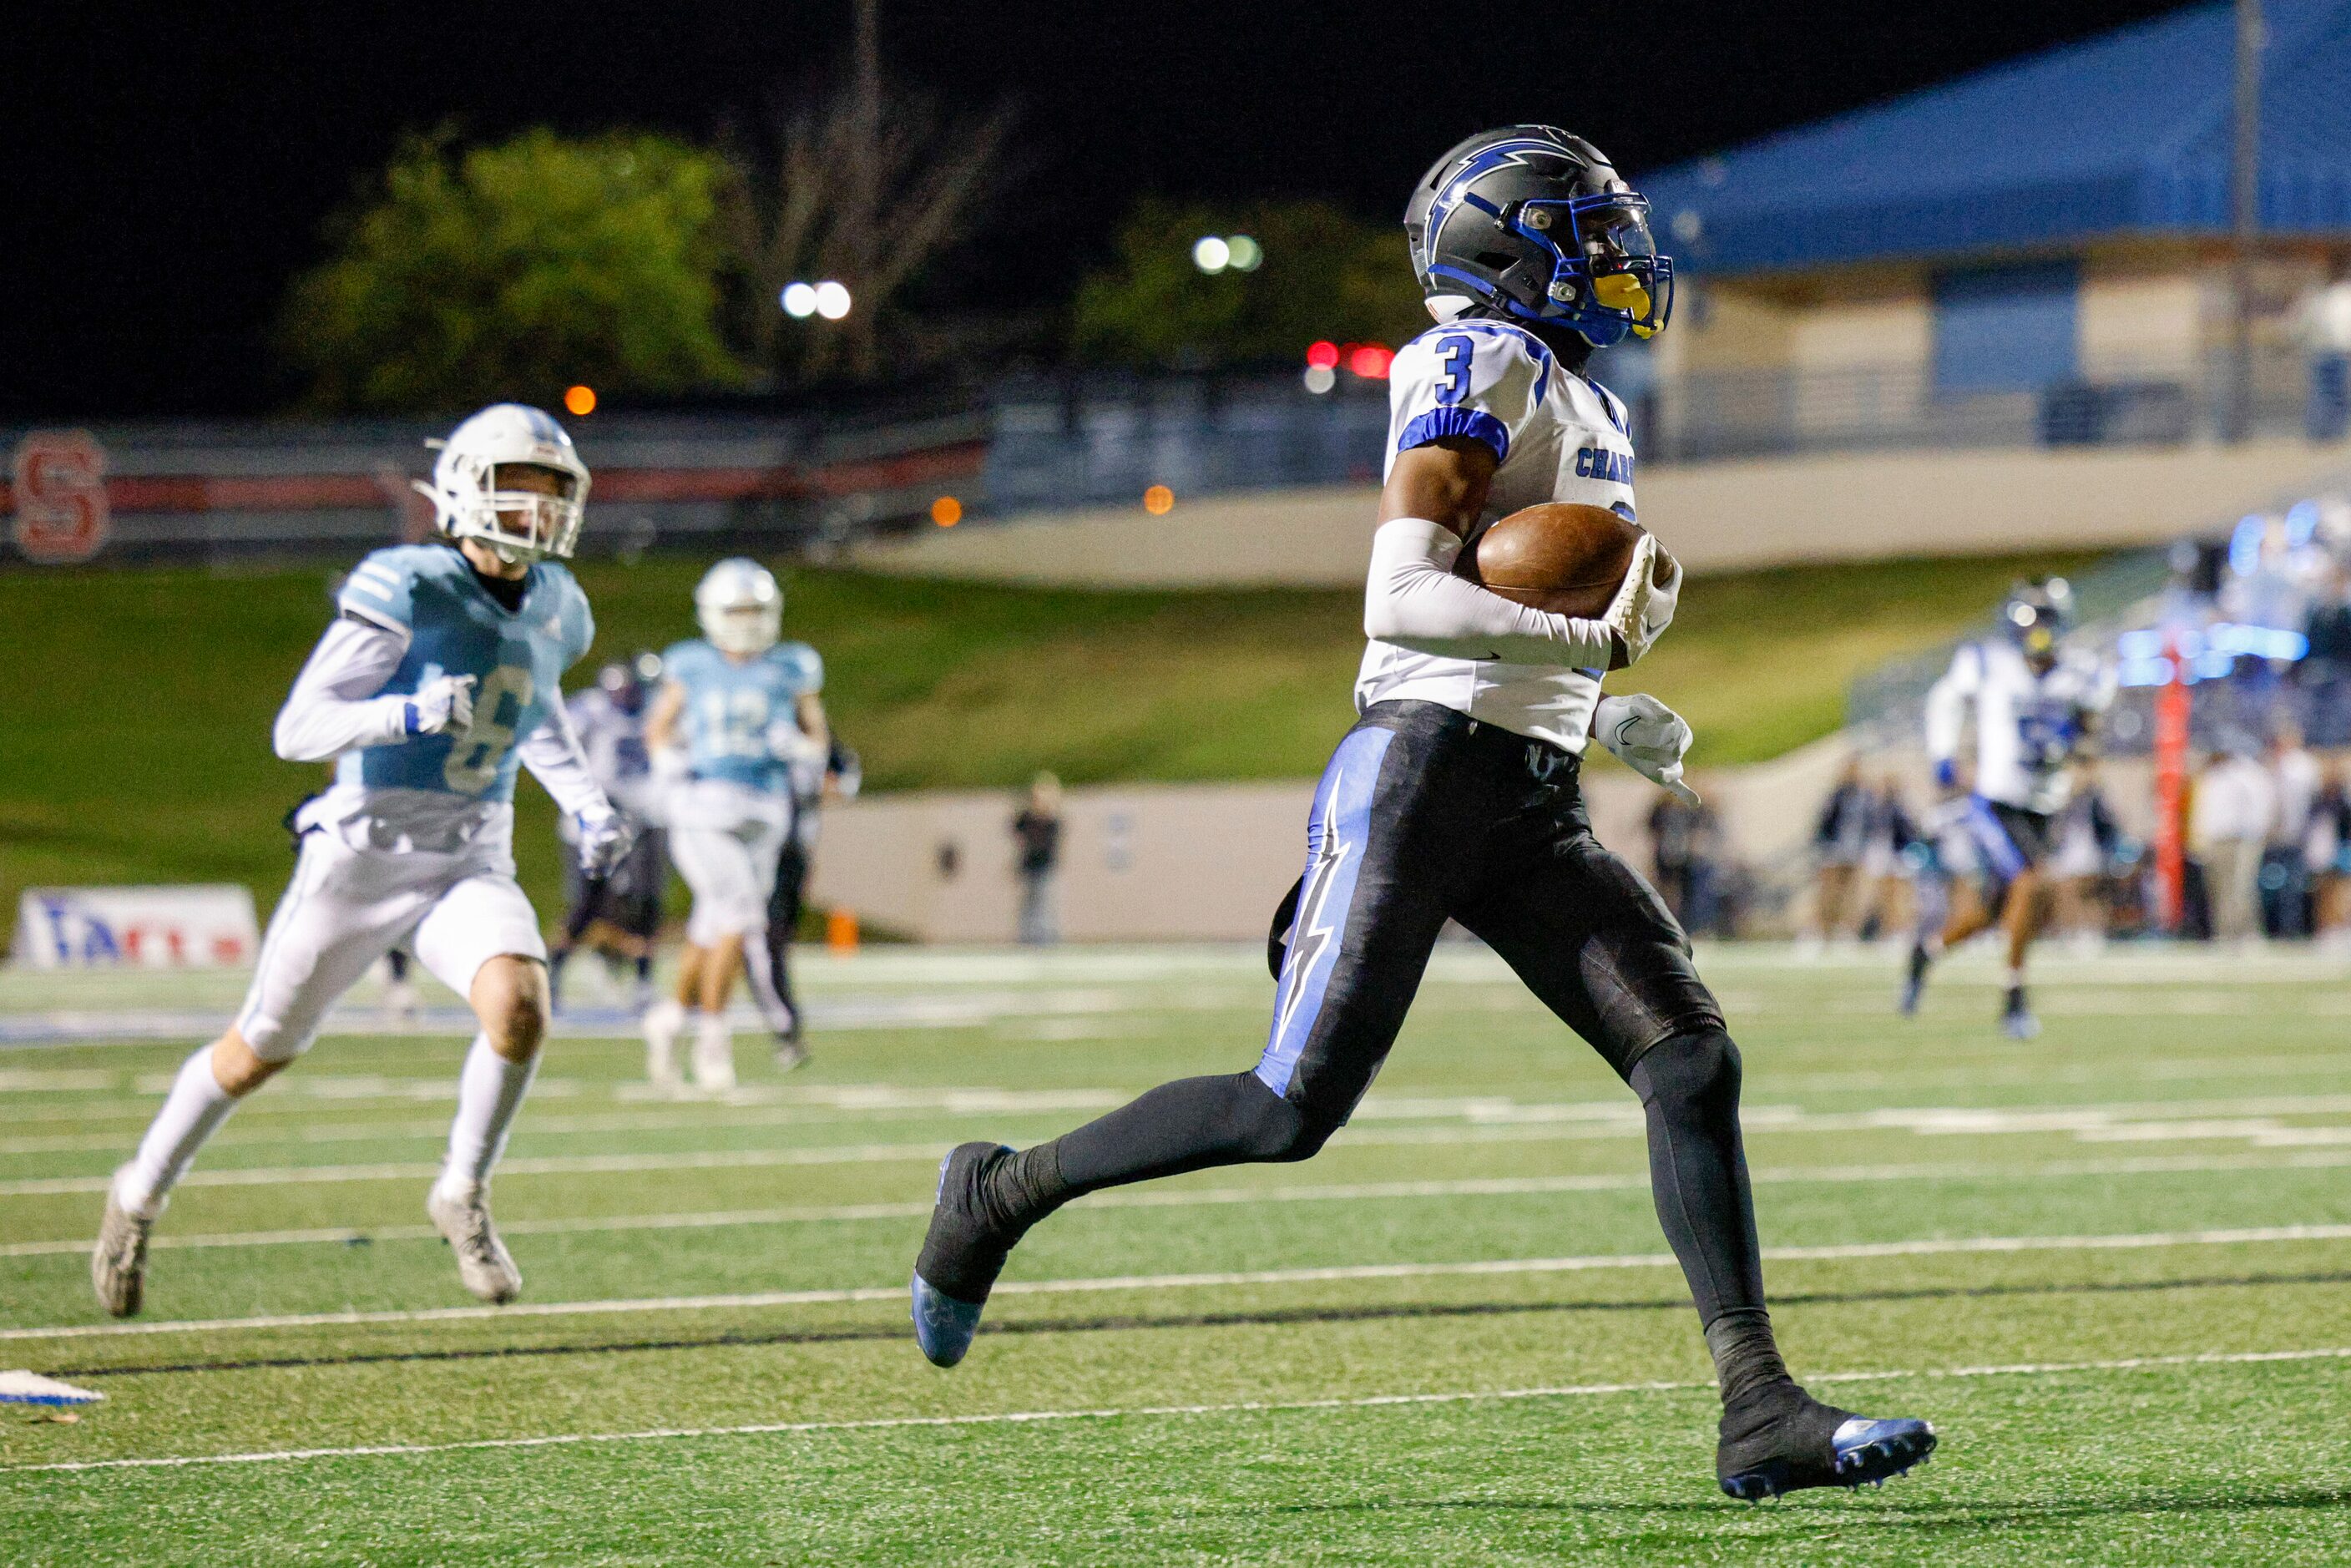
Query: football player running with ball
{"points": [[439, 676], [738, 706], [2036, 704], [1456, 796]]}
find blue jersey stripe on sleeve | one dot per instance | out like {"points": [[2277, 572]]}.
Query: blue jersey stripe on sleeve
{"points": [[1438, 423]]}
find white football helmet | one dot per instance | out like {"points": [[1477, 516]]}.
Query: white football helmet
{"points": [[740, 607], [519, 525]]}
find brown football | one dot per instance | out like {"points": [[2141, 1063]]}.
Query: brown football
{"points": [[1562, 556]]}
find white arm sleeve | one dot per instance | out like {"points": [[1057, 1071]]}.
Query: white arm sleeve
{"points": [[1414, 601], [1947, 704], [333, 707], [553, 753]]}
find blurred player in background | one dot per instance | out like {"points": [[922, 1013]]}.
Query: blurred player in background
{"points": [[737, 708], [439, 676], [1456, 796], [2035, 704], [617, 913], [838, 775]]}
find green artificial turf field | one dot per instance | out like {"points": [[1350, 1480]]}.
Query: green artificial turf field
{"points": [[134, 740], [2114, 1267]]}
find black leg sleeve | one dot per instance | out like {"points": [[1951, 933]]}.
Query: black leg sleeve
{"points": [[1697, 1169], [1191, 1125], [1689, 1086]]}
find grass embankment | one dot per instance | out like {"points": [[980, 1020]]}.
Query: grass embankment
{"points": [[134, 734]]}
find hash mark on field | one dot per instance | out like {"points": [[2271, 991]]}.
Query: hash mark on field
{"points": [[1920, 1247], [1252, 1407], [1186, 1198]]}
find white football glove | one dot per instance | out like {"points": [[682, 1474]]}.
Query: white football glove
{"points": [[1663, 598], [1649, 737], [443, 705], [605, 844], [787, 742], [1642, 609]]}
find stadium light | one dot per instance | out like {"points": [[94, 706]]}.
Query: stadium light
{"points": [[831, 299], [1323, 354], [1321, 379], [1211, 254], [799, 300], [1159, 500], [947, 511], [1242, 252], [1370, 360], [580, 400]]}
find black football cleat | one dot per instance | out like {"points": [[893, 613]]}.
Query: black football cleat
{"points": [[961, 1256], [1785, 1440]]}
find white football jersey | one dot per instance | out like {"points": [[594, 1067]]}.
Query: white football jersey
{"points": [[1559, 437], [2028, 727]]}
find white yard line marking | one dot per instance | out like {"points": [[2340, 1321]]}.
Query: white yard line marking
{"points": [[1244, 1407], [1488, 1122], [765, 1106], [1189, 1198], [1920, 1247]]}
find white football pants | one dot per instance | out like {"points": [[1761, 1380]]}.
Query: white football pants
{"points": [[346, 907]]}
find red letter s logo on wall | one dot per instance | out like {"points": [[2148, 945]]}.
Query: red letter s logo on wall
{"points": [[60, 494]]}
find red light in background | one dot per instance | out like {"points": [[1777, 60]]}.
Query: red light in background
{"points": [[1325, 354], [580, 400], [1370, 360]]}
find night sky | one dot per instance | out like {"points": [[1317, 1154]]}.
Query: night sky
{"points": [[165, 175]]}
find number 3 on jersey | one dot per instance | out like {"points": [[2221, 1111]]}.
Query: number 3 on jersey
{"points": [[1454, 385], [473, 760]]}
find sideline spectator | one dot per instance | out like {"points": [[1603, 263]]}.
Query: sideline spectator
{"points": [[2285, 875], [2236, 802], [1685, 847], [1885, 864], [2326, 852], [1038, 829], [2087, 837], [1841, 840]]}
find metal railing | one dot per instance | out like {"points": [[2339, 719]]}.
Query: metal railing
{"points": [[2149, 401], [1097, 439]]}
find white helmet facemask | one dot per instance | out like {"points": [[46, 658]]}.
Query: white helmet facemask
{"points": [[739, 606], [470, 502]]}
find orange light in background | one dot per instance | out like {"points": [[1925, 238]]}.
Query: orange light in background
{"points": [[1159, 500], [947, 511], [1370, 360], [580, 401], [1323, 353]]}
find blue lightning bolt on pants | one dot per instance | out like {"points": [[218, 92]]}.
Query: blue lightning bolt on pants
{"points": [[1425, 815]]}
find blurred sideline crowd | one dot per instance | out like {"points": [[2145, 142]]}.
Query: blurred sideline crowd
{"points": [[2259, 627]]}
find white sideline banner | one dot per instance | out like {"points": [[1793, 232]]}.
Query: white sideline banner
{"points": [[201, 928]]}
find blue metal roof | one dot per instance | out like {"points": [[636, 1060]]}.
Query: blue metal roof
{"points": [[2127, 133]]}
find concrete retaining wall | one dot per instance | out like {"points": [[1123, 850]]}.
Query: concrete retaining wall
{"points": [[1716, 517]]}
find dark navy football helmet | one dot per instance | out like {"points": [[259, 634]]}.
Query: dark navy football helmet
{"points": [[622, 683], [1534, 224], [2037, 616]]}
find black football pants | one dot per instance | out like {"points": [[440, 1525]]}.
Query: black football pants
{"points": [[1424, 814]]}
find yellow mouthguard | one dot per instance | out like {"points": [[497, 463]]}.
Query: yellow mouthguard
{"points": [[1621, 291]]}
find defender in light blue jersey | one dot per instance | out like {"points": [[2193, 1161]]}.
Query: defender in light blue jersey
{"points": [[440, 676], [738, 707], [430, 595]]}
